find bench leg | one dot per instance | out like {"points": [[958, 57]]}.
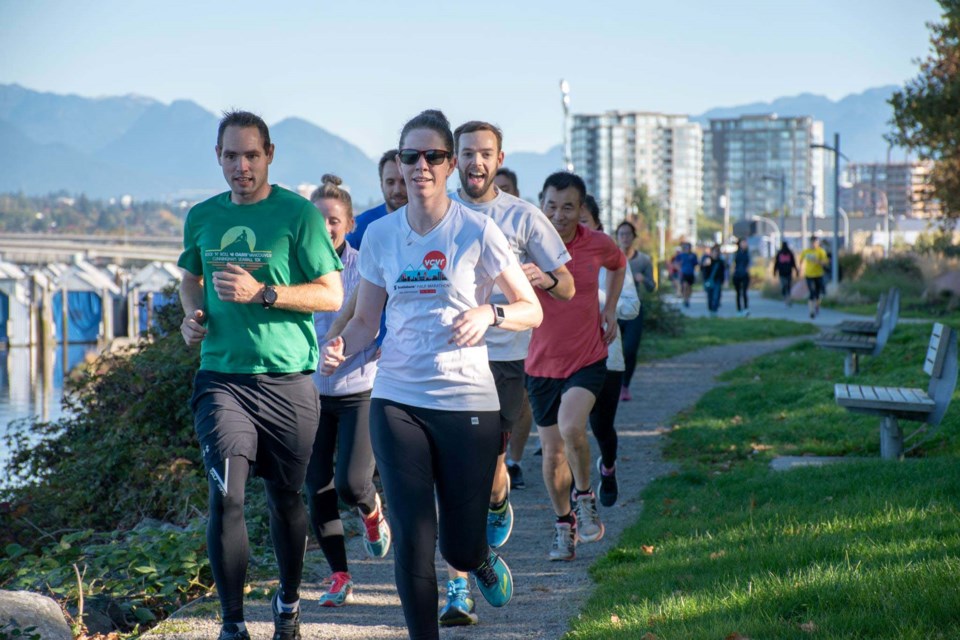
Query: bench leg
{"points": [[891, 439], [851, 364]]}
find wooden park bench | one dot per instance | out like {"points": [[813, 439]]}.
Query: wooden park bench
{"points": [[888, 303], [857, 344], [895, 403]]}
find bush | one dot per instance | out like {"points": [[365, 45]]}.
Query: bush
{"points": [[898, 271], [851, 264], [662, 317]]}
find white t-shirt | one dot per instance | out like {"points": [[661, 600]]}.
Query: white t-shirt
{"points": [[532, 238], [429, 281]]}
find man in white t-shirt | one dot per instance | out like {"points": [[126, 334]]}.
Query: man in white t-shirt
{"points": [[542, 255]]}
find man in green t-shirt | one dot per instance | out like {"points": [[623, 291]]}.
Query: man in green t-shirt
{"points": [[257, 263]]}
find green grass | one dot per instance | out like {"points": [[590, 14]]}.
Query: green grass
{"points": [[701, 333], [865, 549]]}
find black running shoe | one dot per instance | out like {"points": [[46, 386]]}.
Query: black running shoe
{"points": [[516, 477], [608, 486], [230, 631], [286, 626]]}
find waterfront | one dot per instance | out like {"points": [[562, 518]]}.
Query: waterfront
{"points": [[32, 384]]}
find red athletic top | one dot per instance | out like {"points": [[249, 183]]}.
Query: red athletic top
{"points": [[571, 336]]}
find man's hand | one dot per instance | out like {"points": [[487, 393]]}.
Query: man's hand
{"points": [[192, 328], [235, 284], [331, 356], [470, 326], [610, 326], [536, 277]]}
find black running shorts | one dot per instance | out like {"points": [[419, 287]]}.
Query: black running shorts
{"points": [[545, 393], [509, 378], [269, 419]]}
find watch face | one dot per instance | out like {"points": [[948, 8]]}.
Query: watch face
{"points": [[269, 295]]}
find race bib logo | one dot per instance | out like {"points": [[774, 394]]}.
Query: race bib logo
{"points": [[238, 246], [426, 278]]}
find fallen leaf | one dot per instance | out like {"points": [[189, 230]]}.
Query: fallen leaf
{"points": [[736, 419], [615, 619], [647, 549], [718, 554], [649, 636], [736, 636], [809, 627]]}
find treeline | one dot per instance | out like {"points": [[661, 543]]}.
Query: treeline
{"points": [[62, 212]]}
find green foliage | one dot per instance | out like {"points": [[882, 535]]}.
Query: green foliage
{"points": [[937, 243], [127, 450], [851, 265], [927, 111], [662, 317], [897, 271], [699, 334], [10, 631], [138, 576], [63, 213]]}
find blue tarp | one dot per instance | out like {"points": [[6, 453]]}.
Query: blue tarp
{"points": [[159, 300], [4, 315], [85, 310]]}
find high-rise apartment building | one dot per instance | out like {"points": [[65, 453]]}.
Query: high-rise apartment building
{"points": [[762, 164], [901, 188], [618, 151]]}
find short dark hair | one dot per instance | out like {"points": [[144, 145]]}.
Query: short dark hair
{"points": [[629, 225], [591, 204], [434, 120], [814, 238], [511, 176], [388, 156], [564, 180], [243, 119], [477, 125]]}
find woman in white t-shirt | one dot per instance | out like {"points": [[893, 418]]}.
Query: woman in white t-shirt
{"points": [[434, 412]]}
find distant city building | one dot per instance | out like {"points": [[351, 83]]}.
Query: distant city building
{"points": [[764, 162], [902, 188], [618, 151]]}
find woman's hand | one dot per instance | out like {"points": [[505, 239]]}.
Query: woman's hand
{"points": [[331, 356], [470, 326]]}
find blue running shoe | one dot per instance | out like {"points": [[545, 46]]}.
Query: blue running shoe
{"points": [[494, 580], [340, 592], [459, 610], [500, 525]]}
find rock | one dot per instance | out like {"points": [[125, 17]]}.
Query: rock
{"points": [[22, 609], [946, 283]]}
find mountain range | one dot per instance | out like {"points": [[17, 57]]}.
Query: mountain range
{"points": [[140, 146]]}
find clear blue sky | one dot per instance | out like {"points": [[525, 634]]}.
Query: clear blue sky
{"points": [[361, 68]]}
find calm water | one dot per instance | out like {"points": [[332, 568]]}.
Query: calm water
{"points": [[31, 385]]}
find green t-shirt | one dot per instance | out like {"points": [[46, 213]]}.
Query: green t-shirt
{"points": [[281, 240]]}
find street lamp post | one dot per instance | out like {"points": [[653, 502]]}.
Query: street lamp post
{"points": [[776, 233], [781, 178], [835, 262], [565, 93]]}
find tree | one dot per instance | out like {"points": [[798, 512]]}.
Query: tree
{"points": [[926, 113], [645, 214]]}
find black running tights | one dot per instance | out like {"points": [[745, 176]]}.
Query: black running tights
{"points": [[437, 472], [228, 546], [604, 414]]}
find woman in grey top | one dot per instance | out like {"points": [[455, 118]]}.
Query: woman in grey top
{"points": [[642, 267]]}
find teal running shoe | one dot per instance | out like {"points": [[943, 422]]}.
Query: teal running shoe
{"points": [[494, 580], [500, 525], [459, 610]]}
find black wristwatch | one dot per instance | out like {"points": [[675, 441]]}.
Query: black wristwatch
{"points": [[269, 296]]}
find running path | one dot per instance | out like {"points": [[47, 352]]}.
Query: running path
{"points": [[547, 594]]}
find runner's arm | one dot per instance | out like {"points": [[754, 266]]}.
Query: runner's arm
{"points": [[194, 316], [523, 312], [614, 286]]}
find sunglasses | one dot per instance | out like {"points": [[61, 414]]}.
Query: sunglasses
{"points": [[432, 156]]}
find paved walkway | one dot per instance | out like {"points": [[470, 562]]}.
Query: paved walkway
{"points": [[761, 307], [547, 594]]}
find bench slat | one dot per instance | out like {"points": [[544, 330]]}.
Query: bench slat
{"points": [[894, 399]]}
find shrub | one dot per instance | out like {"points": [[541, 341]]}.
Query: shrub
{"points": [[898, 271], [662, 317]]}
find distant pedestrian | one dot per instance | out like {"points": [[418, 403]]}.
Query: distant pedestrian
{"points": [[741, 277], [687, 263], [813, 262], [641, 267], [785, 267], [713, 269]]}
